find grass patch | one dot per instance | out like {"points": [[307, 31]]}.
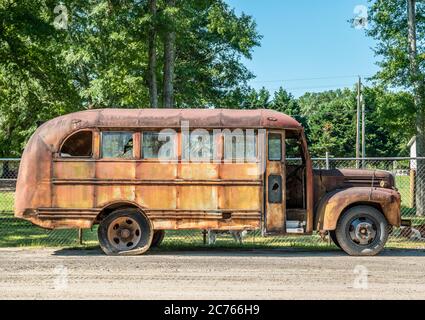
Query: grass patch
{"points": [[19, 233], [7, 200], [403, 186]]}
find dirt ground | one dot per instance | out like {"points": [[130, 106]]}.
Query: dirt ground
{"points": [[271, 274]]}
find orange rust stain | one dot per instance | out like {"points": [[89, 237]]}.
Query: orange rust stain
{"points": [[198, 171], [109, 193], [116, 170], [198, 197], [240, 197], [73, 170], [70, 196], [240, 171], [233, 224], [156, 171], [157, 197]]}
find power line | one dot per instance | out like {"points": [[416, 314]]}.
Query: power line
{"points": [[306, 79], [315, 87]]}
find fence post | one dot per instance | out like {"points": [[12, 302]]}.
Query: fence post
{"points": [[80, 236], [327, 160], [204, 236], [412, 190]]}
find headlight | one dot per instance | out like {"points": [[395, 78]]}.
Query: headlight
{"points": [[384, 184]]}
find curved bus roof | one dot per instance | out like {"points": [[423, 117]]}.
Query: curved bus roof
{"points": [[54, 130]]}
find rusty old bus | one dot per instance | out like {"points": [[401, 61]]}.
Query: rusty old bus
{"points": [[103, 167]]}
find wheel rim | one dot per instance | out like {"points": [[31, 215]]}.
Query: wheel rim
{"points": [[362, 231], [124, 233]]}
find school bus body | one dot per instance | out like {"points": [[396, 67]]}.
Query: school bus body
{"points": [[265, 192], [56, 192]]}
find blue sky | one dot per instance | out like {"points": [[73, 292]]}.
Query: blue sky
{"points": [[305, 39]]}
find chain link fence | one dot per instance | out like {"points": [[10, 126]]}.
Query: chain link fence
{"points": [[16, 232]]}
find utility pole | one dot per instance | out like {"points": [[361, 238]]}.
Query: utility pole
{"points": [[363, 133], [169, 61], [419, 105], [359, 99], [152, 62]]}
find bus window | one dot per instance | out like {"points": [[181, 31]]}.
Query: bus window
{"points": [[117, 145], [156, 145], [201, 145], [79, 144], [275, 146], [239, 146]]}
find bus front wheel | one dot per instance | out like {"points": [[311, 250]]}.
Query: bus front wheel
{"points": [[362, 231], [332, 235], [125, 232]]}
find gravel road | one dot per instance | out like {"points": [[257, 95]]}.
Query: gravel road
{"points": [[271, 274]]}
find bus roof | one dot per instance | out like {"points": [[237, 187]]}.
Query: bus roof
{"points": [[205, 118], [54, 130]]}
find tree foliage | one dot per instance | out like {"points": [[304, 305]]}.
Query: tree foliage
{"points": [[388, 26], [101, 58]]}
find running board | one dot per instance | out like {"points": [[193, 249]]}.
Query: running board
{"points": [[294, 226], [294, 230]]}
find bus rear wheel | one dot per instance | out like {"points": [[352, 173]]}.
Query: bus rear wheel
{"points": [[362, 231], [125, 232], [158, 236]]}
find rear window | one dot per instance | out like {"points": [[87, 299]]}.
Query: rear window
{"points": [[117, 145], [79, 144]]}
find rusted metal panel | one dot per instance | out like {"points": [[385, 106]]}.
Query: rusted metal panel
{"points": [[240, 171], [33, 187], [275, 218], [197, 197], [106, 194], [115, 169], [310, 191], [328, 180], [72, 196], [64, 222], [156, 171], [240, 197], [334, 203], [157, 197], [73, 169], [198, 171], [182, 224]]}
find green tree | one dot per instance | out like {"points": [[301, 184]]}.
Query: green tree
{"points": [[390, 122], [330, 117], [402, 63], [102, 58], [285, 102], [34, 84], [256, 99]]}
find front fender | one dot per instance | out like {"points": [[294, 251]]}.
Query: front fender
{"points": [[333, 204]]}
